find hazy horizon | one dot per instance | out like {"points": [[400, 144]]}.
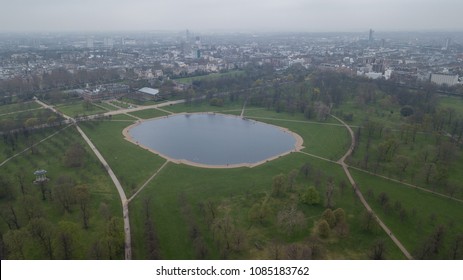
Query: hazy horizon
{"points": [[231, 16]]}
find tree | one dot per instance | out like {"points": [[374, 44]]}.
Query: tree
{"points": [[329, 193], [290, 220], [383, 199], [87, 105], [42, 231], [82, 196], [64, 192], [306, 170], [21, 176], [340, 215], [66, 240], [278, 185], [378, 250], [298, 252], [10, 216], [114, 238], [407, 111], [402, 162], [368, 221], [14, 242], [323, 228], [456, 248], [311, 196], [31, 207], [31, 122], [74, 155], [432, 245], [328, 216], [342, 186], [292, 178], [259, 212], [316, 247], [6, 191]]}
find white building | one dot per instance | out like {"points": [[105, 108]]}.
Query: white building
{"points": [[441, 79]]}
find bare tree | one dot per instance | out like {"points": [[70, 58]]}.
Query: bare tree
{"points": [[378, 250], [456, 248], [278, 185], [66, 239], [292, 179], [9, 215], [42, 231], [329, 193], [64, 192], [368, 221], [290, 220], [82, 197], [342, 186]]}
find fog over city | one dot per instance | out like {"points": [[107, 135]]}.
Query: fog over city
{"points": [[231, 15]]}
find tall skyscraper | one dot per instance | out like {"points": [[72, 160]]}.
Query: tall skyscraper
{"points": [[448, 41], [90, 43], [370, 37]]}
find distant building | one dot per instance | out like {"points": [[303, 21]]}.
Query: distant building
{"points": [[101, 92], [442, 79], [370, 37], [448, 41], [145, 94]]}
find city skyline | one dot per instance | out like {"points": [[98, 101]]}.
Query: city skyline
{"points": [[238, 15]]}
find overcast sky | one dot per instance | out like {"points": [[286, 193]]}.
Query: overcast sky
{"points": [[231, 15]]}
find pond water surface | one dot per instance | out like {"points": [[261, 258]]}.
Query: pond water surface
{"points": [[213, 139]]}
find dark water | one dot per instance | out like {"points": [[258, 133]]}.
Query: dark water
{"points": [[213, 139]]}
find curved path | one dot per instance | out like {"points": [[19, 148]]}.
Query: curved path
{"points": [[120, 190], [359, 193]]}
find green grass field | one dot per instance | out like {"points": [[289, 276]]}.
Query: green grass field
{"points": [[149, 113], [132, 164], [77, 108], [10, 108], [425, 211]]}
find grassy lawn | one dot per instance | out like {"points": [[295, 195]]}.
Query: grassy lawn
{"points": [[149, 113], [414, 153], [78, 108], [122, 117], [237, 190], [323, 140], [10, 108], [256, 112], [21, 117], [203, 106], [425, 211], [124, 105], [107, 106], [22, 142], [455, 103], [389, 116], [132, 164], [49, 155]]}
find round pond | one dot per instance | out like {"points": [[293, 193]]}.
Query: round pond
{"points": [[213, 140]]}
